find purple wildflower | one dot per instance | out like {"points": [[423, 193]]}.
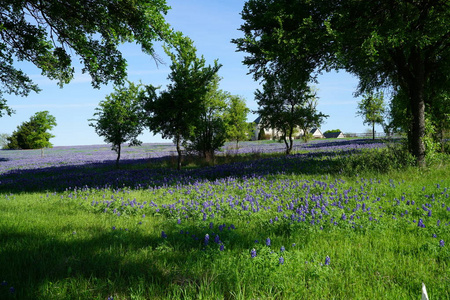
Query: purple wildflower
{"points": [[253, 253], [420, 223], [163, 234], [434, 235], [268, 242], [441, 243], [179, 221], [327, 260], [222, 247], [282, 249], [206, 239], [217, 239], [12, 290], [281, 260]]}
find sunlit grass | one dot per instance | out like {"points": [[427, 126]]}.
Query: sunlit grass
{"points": [[89, 242]]}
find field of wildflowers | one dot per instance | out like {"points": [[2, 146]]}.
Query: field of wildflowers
{"points": [[313, 225]]}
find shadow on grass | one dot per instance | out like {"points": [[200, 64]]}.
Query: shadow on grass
{"points": [[145, 173], [116, 258], [110, 262]]}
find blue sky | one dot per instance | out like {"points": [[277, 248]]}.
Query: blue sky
{"points": [[211, 24]]}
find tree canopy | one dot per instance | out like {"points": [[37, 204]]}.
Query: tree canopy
{"points": [[372, 109], [174, 113], [401, 45], [33, 134], [120, 117], [46, 33]]}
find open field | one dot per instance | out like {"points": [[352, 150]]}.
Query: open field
{"points": [[336, 220]]}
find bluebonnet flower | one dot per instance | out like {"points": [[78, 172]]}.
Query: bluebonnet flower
{"points": [[111, 298], [12, 290], [282, 249], [221, 247], [211, 225], [253, 253], [281, 260], [327, 260], [434, 235], [441, 243], [420, 223], [163, 234], [217, 239], [179, 221], [206, 239], [268, 242], [4, 283]]}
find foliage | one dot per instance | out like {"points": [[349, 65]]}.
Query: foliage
{"points": [[371, 108], [285, 105], [33, 134], [3, 140], [235, 117], [402, 45], [209, 133], [175, 112], [120, 117], [47, 33], [333, 131]]}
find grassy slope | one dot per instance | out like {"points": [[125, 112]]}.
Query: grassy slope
{"points": [[64, 246]]}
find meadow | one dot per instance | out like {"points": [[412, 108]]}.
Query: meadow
{"points": [[343, 219]]}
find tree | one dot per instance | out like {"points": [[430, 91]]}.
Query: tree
{"points": [[175, 112], [120, 118], [33, 134], [209, 133], [237, 127], [371, 108], [284, 106], [310, 117], [47, 32], [403, 45], [3, 140]]}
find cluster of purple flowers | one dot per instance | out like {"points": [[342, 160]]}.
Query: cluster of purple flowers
{"points": [[11, 289]]}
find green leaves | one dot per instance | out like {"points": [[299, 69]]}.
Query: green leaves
{"points": [[47, 33], [120, 117], [33, 134]]}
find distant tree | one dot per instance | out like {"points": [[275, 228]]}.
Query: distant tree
{"points": [[3, 140], [309, 116], [120, 118], [33, 134], [237, 127], [209, 133], [372, 109], [47, 33], [175, 112], [332, 131], [285, 105]]}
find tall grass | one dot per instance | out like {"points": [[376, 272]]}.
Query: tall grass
{"points": [[365, 227]]}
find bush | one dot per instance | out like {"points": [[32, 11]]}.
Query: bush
{"points": [[393, 157]]}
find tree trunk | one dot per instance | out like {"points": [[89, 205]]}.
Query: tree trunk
{"points": [[179, 153], [287, 145], [118, 156], [416, 94], [373, 130]]}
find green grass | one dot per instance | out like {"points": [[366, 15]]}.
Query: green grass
{"points": [[65, 246]]}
